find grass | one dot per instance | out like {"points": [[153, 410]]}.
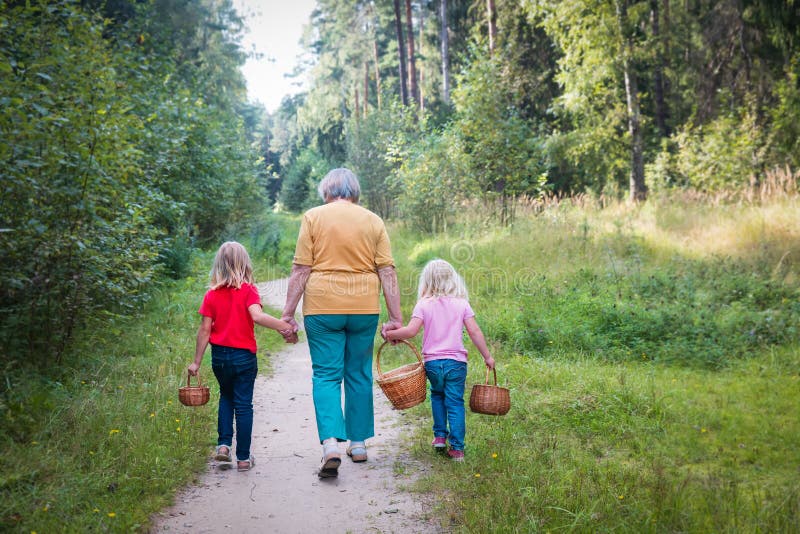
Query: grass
{"points": [[654, 365], [652, 355], [101, 443]]}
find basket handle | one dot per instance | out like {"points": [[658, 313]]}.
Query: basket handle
{"points": [[378, 357], [189, 379], [487, 375]]}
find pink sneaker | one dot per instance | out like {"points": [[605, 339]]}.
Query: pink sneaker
{"points": [[456, 456], [440, 444]]}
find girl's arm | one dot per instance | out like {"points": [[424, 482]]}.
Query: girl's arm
{"points": [[264, 319], [405, 332], [203, 335], [476, 335]]}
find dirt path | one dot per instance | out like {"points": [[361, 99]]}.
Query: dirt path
{"points": [[282, 493]]}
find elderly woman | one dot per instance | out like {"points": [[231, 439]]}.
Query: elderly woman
{"points": [[341, 262]]}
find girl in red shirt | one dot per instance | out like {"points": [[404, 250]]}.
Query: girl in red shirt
{"points": [[230, 309]]}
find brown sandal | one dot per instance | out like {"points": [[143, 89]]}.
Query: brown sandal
{"points": [[246, 465]]}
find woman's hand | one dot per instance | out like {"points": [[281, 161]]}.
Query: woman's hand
{"points": [[489, 362], [388, 327], [193, 367]]}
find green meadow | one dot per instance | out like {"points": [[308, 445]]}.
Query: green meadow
{"points": [[652, 357], [651, 353]]}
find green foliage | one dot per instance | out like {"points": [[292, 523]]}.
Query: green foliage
{"points": [[299, 189], [433, 180], [116, 163], [374, 147], [724, 153], [78, 213]]}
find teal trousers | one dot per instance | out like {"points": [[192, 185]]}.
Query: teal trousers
{"points": [[341, 353]]}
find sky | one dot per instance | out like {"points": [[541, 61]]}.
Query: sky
{"points": [[274, 28]]}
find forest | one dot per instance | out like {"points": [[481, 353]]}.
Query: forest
{"points": [[629, 166], [128, 139]]}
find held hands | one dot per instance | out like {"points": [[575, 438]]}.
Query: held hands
{"points": [[289, 334], [387, 328]]}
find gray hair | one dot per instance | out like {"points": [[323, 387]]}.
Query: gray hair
{"points": [[339, 183]]}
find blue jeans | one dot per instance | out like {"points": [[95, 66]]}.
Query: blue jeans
{"points": [[236, 371], [447, 378], [341, 352]]}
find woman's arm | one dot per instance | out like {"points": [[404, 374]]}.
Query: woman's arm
{"points": [[391, 293], [297, 285], [476, 335], [406, 332], [203, 335]]}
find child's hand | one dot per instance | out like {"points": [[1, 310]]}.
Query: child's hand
{"points": [[289, 336], [489, 362]]}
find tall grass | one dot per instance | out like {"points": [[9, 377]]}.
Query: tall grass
{"points": [[652, 354]]}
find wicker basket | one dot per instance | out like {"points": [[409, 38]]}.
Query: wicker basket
{"points": [[489, 400], [404, 386], [190, 395]]}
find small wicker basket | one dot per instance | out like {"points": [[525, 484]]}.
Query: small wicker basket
{"points": [[190, 395], [404, 386], [489, 400]]}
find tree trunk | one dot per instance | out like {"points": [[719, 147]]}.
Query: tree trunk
{"points": [[413, 92], [421, 41], [492, 20], [658, 71], [401, 50], [377, 71], [445, 54], [366, 87], [638, 190]]}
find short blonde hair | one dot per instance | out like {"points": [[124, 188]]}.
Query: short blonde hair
{"points": [[440, 279], [339, 183], [232, 266]]}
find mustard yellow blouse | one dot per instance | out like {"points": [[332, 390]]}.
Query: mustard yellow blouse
{"points": [[345, 245]]}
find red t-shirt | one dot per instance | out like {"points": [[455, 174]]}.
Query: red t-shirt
{"points": [[232, 325]]}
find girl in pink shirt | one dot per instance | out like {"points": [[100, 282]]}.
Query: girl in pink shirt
{"points": [[443, 311]]}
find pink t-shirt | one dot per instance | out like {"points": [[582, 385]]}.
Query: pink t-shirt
{"points": [[443, 320]]}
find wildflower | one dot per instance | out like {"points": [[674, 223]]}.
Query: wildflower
{"points": [[620, 497], [494, 455], [177, 420], [96, 510], [477, 475], [34, 442], [112, 514], [113, 431], [178, 429], [169, 402], [152, 414], [703, 430], [46, 507], [91, 453]]}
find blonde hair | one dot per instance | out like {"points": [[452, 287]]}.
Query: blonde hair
{"points": [[232, 267], [440, 279]]}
